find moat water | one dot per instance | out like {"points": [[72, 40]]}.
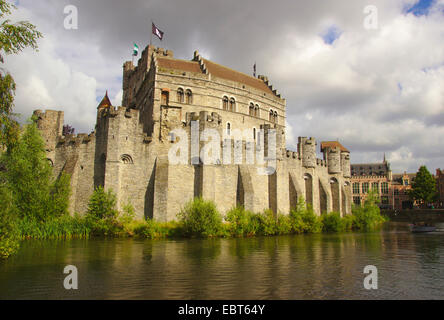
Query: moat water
{"points": [[326, 266]]}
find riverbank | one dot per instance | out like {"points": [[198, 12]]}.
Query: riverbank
{"points": [[200, 219]]}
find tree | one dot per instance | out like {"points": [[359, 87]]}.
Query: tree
{"points": [[14, 37], [28, 176], [424, 187]]}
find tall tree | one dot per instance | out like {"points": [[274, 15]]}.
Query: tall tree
{"points": [[424, 187], [14, 37]]}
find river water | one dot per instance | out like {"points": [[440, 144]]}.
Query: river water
{"points": [[325, 266]]}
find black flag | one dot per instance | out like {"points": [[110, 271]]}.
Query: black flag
{"points": [[254, 70], [157, 32]]}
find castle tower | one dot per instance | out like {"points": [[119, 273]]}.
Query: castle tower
{"points": [[345, 164], [307, 151], [333, 160], [50, 124]]}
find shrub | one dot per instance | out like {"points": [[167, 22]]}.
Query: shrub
{"points": [[283, 225], [332, 222], [369, 216], [200, 218], [240, 222], [304, 220], [102, 213]]}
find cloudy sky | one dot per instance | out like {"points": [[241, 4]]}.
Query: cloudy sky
{"points": [[377, 90]]}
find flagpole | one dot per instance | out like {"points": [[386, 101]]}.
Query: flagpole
{"points": [[151, 33]]}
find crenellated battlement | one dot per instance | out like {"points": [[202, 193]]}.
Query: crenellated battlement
{"points": [[75, 139], [268, 83]]}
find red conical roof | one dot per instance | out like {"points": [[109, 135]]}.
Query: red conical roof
{"points": [[105, 103]]}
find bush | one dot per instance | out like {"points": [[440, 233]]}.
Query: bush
{"points": [[200, 218], [332, 222], [240, 222], [369, 216], [102, 213], [304, 220], [283, 225]]}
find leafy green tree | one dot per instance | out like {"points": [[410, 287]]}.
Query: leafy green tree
{"points": [[102, 204], [424, 187], [28, 175], [9, 236], [14, 37]]}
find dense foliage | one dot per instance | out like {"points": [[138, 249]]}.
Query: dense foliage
{"points": [[14, 37], [424, 187], [201, 218]]}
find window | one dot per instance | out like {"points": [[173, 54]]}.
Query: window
{"points": [[275, 117], [384, 188], [406, 182], [225, 103], [232, 105], [189, 97], [271, 116], [165, 98], [356, 188], [375, 187], [384, 200], [180, 95], [365, 187], [228, 128], [396, 192], [357, 200], [251, 109], [256, 111], [254, 134]]}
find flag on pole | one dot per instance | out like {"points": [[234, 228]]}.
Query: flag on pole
{"points": [[157, 32], [136, 50], [254, 70]]}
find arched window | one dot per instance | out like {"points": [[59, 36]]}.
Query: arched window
{"points": [[225, 103], [126, 159], [180, 95], [256, 111], [189, 97], [228, 128], [232, 104], [251, 110], [271, 116], [275, 117]]}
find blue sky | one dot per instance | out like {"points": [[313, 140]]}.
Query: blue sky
{"points": [[420, 8]]}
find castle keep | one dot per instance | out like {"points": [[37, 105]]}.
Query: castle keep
{"points": [[128, 151]]}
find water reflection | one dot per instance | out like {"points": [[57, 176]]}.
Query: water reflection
{"points": [[328, 266]]}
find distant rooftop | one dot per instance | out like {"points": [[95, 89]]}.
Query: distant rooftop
{"points": [[333, 144]]}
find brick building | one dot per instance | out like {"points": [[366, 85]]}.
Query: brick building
{"points": [[372, 176]]}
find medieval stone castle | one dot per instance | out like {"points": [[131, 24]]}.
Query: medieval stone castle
{"points": [[128, 150]]}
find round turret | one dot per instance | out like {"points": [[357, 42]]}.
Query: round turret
{"points": [[334, 160], [345, 162], [308, 152]]}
